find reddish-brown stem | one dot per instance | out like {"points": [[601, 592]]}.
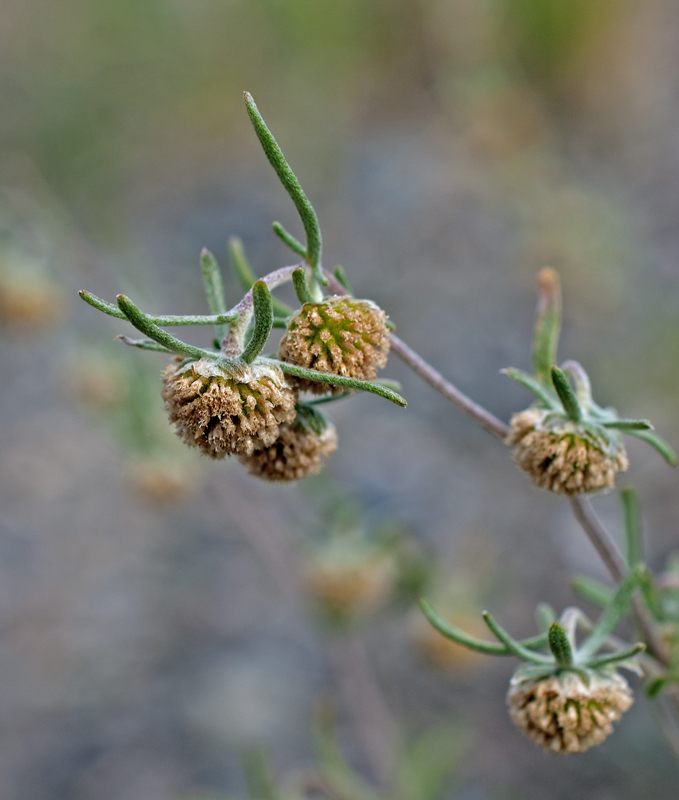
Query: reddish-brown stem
{"points": [[429, 375]]}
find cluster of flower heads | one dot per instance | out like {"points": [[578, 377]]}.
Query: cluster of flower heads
{"points": [[236, 402], [253, 410], [233, 400], [567, 698]]}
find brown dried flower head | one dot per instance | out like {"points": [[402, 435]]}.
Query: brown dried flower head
{"points": [[563, 713], [297, 453], [561, 456], [345, 586], [225, 411], [340, 335]]}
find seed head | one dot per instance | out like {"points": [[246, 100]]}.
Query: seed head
{"points": [[563, 713], [341, 335], [224, 410], [561, 456], [345, 588], [297, 453]]}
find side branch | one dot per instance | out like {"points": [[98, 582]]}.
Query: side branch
{"points": [[429, 375], [617, 568]]}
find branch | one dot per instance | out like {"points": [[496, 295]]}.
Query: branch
{"points": [[429, 375], [617, 568]]}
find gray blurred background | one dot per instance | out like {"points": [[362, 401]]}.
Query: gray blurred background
{"points": [[154, 620]]}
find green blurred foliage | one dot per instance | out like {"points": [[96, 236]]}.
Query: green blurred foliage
{"points": [[547, 37]]}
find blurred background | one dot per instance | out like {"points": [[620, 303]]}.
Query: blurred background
{"points": [[162, 615]]}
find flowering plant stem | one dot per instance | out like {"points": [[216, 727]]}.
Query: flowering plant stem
{"points": [[582, 508]]}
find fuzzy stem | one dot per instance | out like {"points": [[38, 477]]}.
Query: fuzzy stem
{"points": [[434, 378], [599, 537], [247, 278], [615, 564], [234, 341]]}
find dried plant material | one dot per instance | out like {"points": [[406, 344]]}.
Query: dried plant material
{"points": [[163, 482], [296, 454], [227, 411], [340, 335], [28, 304], [563, 714], [345, 588], [563, 458]]}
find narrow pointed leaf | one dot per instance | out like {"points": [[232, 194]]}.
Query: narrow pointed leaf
{"points": [[144, 324], [659, 444], [547, 324], [456, 634], [331, 398], [594, 592], [263, 321], [566, 394], [310, 418], [632, 519], [101, 305], [143, 344], [214, 287], [339, 380], [516, 648], [294, 244], [395, 386], [289, 180], [619, 655], [629, 424], [301, 286], [583, 387], [655, 687], [560, 646], [543, 394]]}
